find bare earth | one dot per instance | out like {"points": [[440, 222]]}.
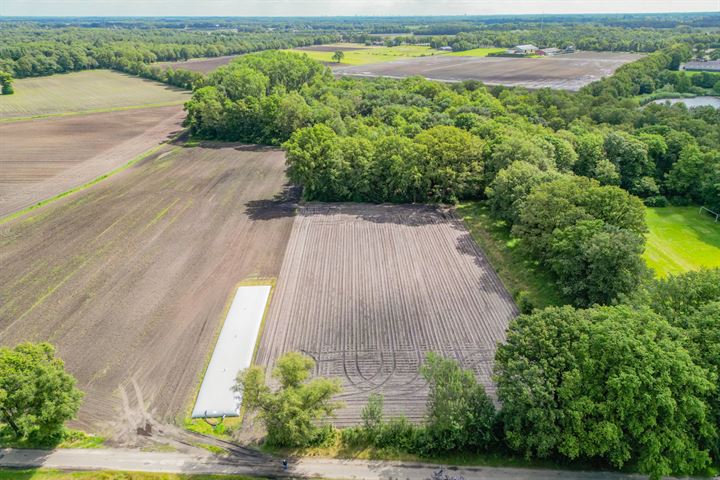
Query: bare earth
{"points": [[202, 65], [41, 158], [565, 72], [367, 290], [331, 48], [130, 278]]}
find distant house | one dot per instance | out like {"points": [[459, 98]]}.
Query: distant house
{"points": [[569, 49], [709, 66], [549, 51], [524, 50], [446, 49]]}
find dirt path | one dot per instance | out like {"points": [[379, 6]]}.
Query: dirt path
{"points": [[44, 157], [131, 278], [134, 460]]}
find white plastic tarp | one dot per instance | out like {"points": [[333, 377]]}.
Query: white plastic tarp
{"points": [[233, 352]]}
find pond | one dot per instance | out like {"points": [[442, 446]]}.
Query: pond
{"points": [[694, 102]]}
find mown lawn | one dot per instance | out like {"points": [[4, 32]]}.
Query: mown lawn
{"points": [[518, 271], [375, 54], [46, 474], [681, 239], [87, 91]]}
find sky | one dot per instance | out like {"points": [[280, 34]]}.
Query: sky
{"points": [[341, 7]]}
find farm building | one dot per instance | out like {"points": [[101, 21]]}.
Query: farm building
{"points": [[702, 66], [524, 50], [446, 49], [549, 51]]}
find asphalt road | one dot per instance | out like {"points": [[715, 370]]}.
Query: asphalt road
{"points": [[136, 460]]}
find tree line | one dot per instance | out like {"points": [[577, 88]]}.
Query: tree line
{"points": [[29, 50], [632, 385]]}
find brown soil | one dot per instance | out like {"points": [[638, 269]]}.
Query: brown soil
{"points": [[44, 157], [131, 278], [202, 65], [367, 290], [566, 72]]}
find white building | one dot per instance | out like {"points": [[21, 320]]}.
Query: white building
{"points": [[529, 49]]}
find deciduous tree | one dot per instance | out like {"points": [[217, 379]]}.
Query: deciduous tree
{"points": [[37, 395]]}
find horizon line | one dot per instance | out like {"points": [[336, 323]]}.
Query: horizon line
{"points": [[375, 16]]}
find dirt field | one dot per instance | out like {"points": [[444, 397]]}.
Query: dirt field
{"points": [[333, 48], [202, 65], [91, 90], [367, 290], [566, 72], [130, 278], [41, 158]]}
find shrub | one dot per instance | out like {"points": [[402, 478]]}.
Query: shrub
{"points": [[656, 201]]}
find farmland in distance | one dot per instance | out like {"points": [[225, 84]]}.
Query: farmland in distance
{"points": [[367, 290], [202, 65], [87, 91], [44, 157], [565, 72]]}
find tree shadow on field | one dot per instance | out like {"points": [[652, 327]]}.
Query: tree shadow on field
{"points": [[409, 215], [282, 205], [240, 147]]}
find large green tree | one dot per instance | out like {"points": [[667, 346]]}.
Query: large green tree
{"points": [[610, 383], [460, 414], [37, 395], [292, 412], [512, 185], [596, 262]]}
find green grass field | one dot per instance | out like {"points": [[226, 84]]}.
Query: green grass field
{"points": [[477, 52], [88, 91], [388, 54], [680, 240]]}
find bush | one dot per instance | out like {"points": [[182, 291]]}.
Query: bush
{"points": [[460, 414], [656, 201], [398, 434], [524, 302]]}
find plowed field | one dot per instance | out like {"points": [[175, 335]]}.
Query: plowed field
{"points": [[367, 290], [130, 278], [565, 72], [42, 158]]}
